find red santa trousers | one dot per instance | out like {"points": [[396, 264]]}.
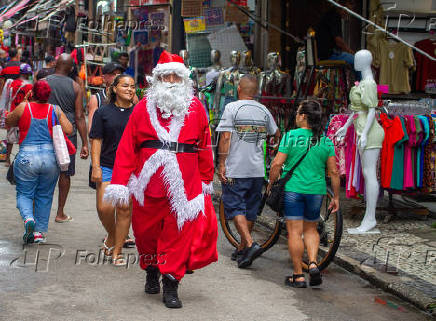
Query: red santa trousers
{"points": [[158, 238]]}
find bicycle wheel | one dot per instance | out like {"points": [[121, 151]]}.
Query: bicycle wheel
{"points": [[330, 232], [266, 229]]}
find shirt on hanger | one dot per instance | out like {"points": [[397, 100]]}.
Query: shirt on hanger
{"points": [[408, 154], [397, 180], [393, 133], [425, 68], [394, 61]]}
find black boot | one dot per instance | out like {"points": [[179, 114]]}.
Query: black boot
{"points": [[170, 296], [152, 285]]}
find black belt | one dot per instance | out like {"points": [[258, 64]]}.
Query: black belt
{"points": [[173, 147]]}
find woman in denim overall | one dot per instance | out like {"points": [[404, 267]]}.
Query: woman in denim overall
{"points": [[35, 168]]}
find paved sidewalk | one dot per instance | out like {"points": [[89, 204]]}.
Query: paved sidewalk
{"points": [[401, 259]]}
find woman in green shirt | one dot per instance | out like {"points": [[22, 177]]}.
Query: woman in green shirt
{"points": [[305, 190]]}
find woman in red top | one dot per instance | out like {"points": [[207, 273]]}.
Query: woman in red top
{"points": [[35, 168]]}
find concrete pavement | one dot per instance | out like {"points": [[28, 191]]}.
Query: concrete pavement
{"points": [[59, 289]]}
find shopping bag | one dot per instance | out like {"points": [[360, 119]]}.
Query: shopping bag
{"points": [[59, 143]]}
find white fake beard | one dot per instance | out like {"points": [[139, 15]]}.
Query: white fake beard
{"points": [[171, 98]]}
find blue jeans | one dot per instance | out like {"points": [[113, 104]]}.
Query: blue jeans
{"points": [[302, 206], [36, 173]]}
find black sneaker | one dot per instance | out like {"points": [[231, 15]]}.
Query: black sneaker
{"points": [[250, 254], [152, 285], [170, 297], [236, 254]]}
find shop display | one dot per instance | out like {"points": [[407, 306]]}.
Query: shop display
{"points": [[227, 84], [394, 60], [425, 68], [369, 138], [248, 66]]}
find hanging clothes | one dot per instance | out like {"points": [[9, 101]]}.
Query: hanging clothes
{"points": [[426, 127], [394, 60], [397, 179], [409, 151], [337, 122], [425, 68]]}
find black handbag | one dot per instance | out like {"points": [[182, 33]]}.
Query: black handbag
{"points": [[10, 174], [275, 197]]}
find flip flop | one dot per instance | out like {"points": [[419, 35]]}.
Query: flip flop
{"points": [[68, 219]]}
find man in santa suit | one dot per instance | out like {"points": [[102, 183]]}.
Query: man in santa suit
{"points": [[164, 168]]}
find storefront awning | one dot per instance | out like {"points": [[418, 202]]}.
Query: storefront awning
{"points": [[14, 10]]}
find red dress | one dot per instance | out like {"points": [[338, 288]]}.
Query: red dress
{"points": [[167, 188]]}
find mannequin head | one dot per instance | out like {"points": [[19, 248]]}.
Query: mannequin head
{"points": [[185, 55], [235, 58], [362, 60], [215, 56], [272, 60], [247, 58]]}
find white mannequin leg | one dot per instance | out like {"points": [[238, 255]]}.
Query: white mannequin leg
{"points": [[369, 160]]}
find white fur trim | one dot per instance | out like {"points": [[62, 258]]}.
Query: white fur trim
{"points": [[174, 128], [172, 67], [172, 176], [207, 188], [116, 195]]}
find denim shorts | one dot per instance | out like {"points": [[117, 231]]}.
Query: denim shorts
{"points": [[305, 207], [242, 196], [106, 174]]}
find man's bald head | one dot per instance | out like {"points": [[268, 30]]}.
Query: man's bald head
{"points": [[64, 64], [248, 86]]}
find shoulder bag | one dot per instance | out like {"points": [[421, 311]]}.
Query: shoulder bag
{"points": [[275, 197], [59, 143]]}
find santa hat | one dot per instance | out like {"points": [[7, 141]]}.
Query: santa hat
{"points": [[171, 63]]}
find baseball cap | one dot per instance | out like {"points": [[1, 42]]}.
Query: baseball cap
{"points": [[111, 67], [25, 69]]}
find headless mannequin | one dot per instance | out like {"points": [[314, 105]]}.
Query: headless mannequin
{"points": [[248, 65], [273, 81], [368, 157], [229, 81]]}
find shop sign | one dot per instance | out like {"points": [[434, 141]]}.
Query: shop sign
{"points": [[193, 25], [214, 16]]}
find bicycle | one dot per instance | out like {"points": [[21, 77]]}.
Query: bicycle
{"points": [[269, 225]]}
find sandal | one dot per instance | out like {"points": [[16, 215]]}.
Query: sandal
{"points": [[107, 251], [129, 243], [120, 260], [314, 275], [294, 283]]}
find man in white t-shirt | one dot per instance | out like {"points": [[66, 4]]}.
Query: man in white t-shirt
{"points": [[244, 126]]}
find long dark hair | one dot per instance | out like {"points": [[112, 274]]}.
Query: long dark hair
{"points": [[112, 97], [313, 111]]}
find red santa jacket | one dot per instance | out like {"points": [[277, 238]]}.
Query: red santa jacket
{"points": [[181, 177]]}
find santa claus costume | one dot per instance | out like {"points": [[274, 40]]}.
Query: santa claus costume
{"points": [[164, 164]]}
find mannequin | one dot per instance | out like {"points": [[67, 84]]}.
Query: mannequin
{"points": [[213, 71], [273, 81], [370, 134], [228, 82], [248, 65]]}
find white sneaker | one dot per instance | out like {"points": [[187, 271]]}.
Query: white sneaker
{"points": [[38, 237]]}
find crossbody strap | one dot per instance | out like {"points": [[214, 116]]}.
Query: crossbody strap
{"points": [[291, 171]]}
